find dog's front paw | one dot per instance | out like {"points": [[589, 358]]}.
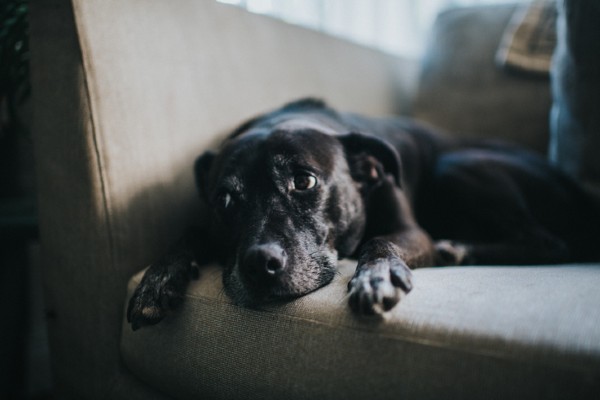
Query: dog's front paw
{"points": [[377, 285], [159, 292]]}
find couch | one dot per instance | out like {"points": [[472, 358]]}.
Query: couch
{"points": [[127, 93]]}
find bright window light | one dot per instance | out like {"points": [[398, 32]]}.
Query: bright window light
{"points": [[396, 26]]}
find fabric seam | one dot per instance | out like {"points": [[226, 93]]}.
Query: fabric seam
{"points": [[93, 126]]}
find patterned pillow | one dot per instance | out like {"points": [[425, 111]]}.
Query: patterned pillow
{"points": [[530, 39]]}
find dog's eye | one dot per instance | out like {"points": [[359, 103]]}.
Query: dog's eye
{"points": [[304, 182], [224, 200]]}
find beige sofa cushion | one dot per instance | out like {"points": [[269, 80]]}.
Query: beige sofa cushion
{"points": [[472, 332]]}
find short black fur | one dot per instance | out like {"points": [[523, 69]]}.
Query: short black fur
{"points": [[291, 191]]}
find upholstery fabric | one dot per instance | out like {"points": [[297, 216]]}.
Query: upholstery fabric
{"points": [[126, 95], [464, 333], [575, 117], [462, 90]]}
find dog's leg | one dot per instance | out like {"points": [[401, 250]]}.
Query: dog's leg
{"points": [[534, 246], [486, 213], [164, 283], [384, 262]]}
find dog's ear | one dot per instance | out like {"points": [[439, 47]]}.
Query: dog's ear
{"points": [[202, 168], [371, 158]]}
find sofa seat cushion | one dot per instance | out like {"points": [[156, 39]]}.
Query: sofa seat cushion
{"points": [[468, 332]]}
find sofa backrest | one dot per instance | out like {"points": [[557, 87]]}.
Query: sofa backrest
{"points": [[126, 95], [464, 91]]}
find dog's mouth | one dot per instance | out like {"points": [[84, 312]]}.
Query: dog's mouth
{"points": [[252, 290]]}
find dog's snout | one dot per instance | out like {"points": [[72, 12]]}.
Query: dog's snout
{"points": [[266, 259]]}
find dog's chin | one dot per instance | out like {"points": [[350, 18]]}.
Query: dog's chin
{"points": [[253, 295]]}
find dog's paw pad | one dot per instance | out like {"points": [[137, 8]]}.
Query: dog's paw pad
{"points": [[151, 312], [377, 286]]}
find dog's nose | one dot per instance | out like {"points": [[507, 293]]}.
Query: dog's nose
{"points": [[266, 259]]}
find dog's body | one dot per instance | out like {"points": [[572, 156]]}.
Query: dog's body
{"points": [[292, 191]]}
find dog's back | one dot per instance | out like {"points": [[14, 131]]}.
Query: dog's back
{"points": [[474, 190]]}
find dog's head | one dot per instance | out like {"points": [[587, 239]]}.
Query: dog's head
{"points": [[287, 197]]}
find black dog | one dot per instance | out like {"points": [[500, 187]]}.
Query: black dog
{"points": [[292, 191]]}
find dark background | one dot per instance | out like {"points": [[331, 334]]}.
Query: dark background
{"points": [[24, 355]]}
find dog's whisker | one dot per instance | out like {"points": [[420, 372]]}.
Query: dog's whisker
{"points": [[221, 294], [346, 297]]}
